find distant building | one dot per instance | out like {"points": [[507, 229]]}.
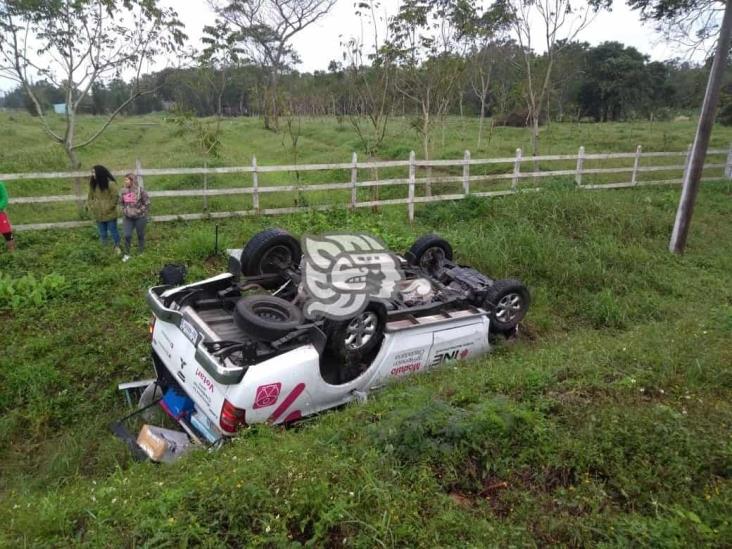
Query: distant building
{"points": [[59, 108]]}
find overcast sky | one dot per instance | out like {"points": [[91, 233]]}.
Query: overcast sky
{"points": [[320, 43]]}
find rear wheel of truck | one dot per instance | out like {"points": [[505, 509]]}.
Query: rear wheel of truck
{"points": [[430, 253], [270, 252], [267, 317]]}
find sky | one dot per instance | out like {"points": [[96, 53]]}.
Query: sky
{"points": [[321, 42]]}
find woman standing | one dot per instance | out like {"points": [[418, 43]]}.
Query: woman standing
{"points": [[5, 228], [135, 205], [102, 204]]}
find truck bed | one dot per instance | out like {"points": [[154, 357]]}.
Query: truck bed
{"points": [[212, 314]]}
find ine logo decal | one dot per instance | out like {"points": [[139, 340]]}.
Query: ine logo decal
{"points": [[449, 355], [343, 272], [267, 395]]}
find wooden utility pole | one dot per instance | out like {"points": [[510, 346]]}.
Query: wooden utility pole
{"points": [[693, 173]]}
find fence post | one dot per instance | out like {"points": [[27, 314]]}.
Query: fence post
{"points": [[728, 167], [428, 178], [205, 185], [138, 174], [516, 170], [688, 159], [466, 173], [255, 185], [580, 166], [354, 179], [636, 165], [412, 170]]}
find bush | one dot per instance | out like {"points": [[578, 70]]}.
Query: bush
{"points": [[28, 290]]}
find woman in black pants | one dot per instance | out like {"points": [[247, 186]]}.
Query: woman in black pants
{"points": [[135, 206]]}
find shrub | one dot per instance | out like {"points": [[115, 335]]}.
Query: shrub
{"points": [[29, 290]]}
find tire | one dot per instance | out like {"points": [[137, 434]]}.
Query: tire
{"points": [[270, 252], [355, 339], [267, 317], [507, 302], [430, 252]]}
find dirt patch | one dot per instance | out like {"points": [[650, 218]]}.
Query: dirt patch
{"points": [[461, 500]]}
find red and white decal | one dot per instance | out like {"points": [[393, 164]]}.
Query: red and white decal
{"points": [[267, 395], [287, 402]]}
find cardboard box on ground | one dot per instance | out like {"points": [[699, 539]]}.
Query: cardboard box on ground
{"points": [[163, 445]]}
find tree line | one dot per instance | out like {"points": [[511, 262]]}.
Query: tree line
{"points": [[608, 82], [430, 59]]}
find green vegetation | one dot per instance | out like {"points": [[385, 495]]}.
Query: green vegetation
{"points": [[608, 422]]}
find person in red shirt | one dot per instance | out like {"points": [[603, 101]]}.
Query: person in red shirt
{"points": [[5, 228]]}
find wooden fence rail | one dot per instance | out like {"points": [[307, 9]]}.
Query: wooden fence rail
{"points": [[513, 173]]}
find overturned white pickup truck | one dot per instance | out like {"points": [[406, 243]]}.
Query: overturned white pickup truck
{"points": [[238, 349]]}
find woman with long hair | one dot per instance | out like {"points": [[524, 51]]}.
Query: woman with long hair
{"points": [[102, 204]]}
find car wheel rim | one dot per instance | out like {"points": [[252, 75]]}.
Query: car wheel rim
{"points": [[509, 308], [277, 259], [273, 314], [361, 330], [432, 259]]}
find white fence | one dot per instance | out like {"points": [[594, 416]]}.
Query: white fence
{"points": [[513, 173]]}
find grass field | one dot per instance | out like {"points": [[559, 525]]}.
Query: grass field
{"points": [[607, 423]]}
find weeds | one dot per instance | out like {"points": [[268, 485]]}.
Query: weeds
{"points": [[28, 291]]}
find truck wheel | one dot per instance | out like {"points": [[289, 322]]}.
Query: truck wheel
{"points": [[430, 252], [507, 302], [270, 252], [354, 339], [267, 317]]}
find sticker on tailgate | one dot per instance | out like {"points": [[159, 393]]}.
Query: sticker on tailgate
{"points": [[189, 331]]}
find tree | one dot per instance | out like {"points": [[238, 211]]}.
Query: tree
{"points": [[483, 34], [560, 21], [369, 77], [265, 29], [75, 44], [572, 66], [427, 45], [691, 24], [370, 82], [615, 83]]}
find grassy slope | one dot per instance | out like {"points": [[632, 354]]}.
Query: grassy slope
{"points": [[608, 422], [24, 147]]}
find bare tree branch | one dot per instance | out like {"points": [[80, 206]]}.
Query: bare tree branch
{"points": [[77, 44]]}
